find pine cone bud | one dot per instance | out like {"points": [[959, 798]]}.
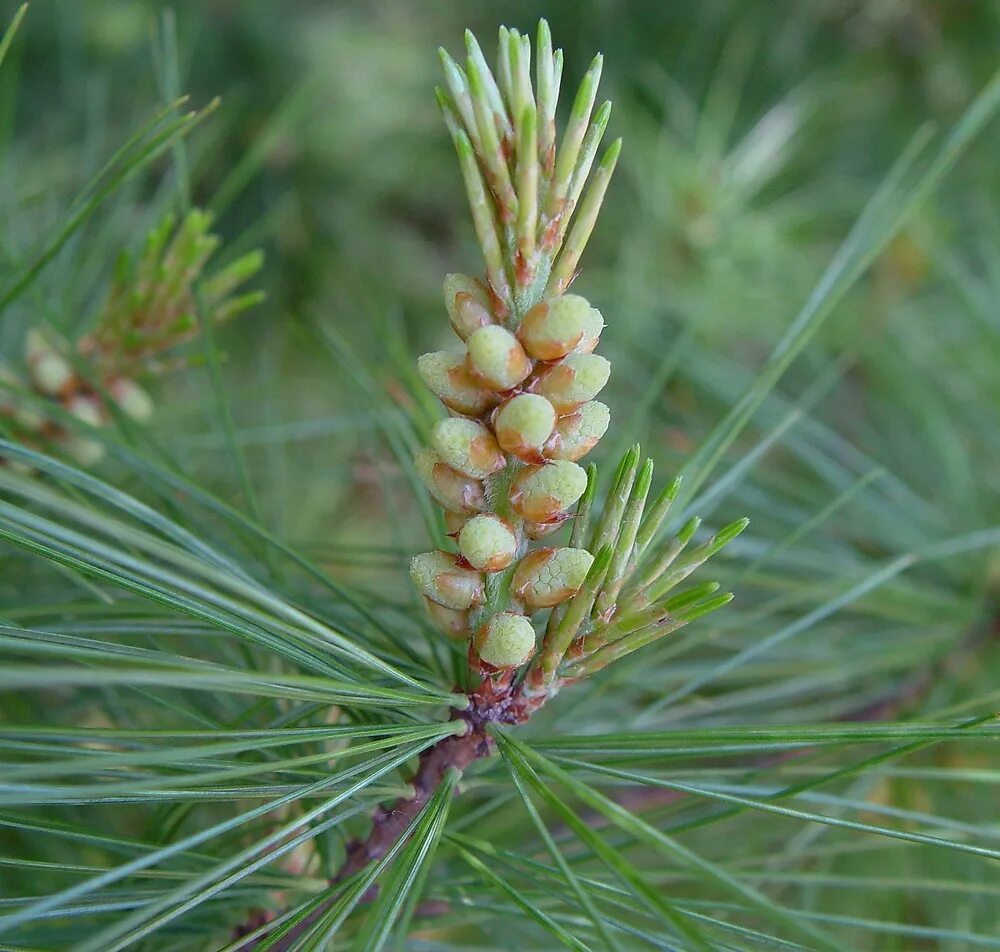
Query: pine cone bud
{"points": [[468, 304], [572, 382], [448, 377], [505, 640], [578, 433], [559, 326], [523, 424], [497, 359], [439, 577], [452, 621], [50, 372], [544, 493], [450, 489], [131, 398], [487, 543], [85, 451], [547, 577], [468, 446]]}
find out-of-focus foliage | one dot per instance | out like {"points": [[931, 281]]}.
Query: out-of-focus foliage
{"points": [[755, 134]]}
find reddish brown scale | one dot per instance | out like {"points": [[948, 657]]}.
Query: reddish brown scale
{"points": [[500, 310], [495, 677], [522, 270], [550, 234], [549, 159], [532, 456], [506, 145], [505, 212], [539, 530]]}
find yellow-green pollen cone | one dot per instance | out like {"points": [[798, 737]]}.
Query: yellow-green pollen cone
{"points": [[496, 358], [446, 374], [50, 372], [451, 490], [573, 381], [85, 451], [467, 303], [452, 621], [557, 327], [577, 433], [543, 493], [468, 447], [506, 640], [523, 425], [132, 399], [487, 543], [440, 578], [545, 578]]}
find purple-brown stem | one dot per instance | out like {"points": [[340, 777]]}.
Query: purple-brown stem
{"points": [[495, 701]]}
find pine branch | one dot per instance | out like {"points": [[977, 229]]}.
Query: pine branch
{"points": [[390, 824], [71, 390], [503, 465]]}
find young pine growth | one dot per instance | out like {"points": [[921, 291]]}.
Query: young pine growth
{"points": [[152, 307], [520, 388]]}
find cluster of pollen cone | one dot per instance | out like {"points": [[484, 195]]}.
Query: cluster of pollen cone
{"points": [[520, 386], [52, 376], [152, 306], [504, 464]]}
